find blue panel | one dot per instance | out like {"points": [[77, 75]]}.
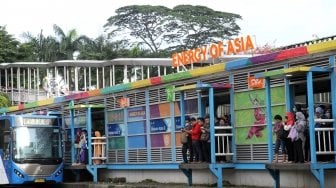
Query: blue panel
{"points": [[236, 64], [137, 142], [137, 127]]}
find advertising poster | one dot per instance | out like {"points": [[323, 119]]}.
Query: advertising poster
{"points": [[160, 125], [250, 114], [136, 113], [115, 116], [116, 129]]}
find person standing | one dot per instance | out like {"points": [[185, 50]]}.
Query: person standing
{"points": [[205, 138], [279, 132], [289, 123], [300, 125], [187, 143], [195, 139]]}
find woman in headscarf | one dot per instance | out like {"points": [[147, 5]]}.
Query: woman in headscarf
{"points": [[289, 123], [300, 126]]}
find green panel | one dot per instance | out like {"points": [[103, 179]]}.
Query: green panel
{"points": [[3, 110], [250, 112], [30, 105], [116, 88], [175, 77], [116, 143]]}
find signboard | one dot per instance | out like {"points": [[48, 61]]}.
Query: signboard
{"points": [[124, 102], [230, 47], [256, 83]]}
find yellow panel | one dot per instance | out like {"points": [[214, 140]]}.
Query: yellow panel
{"points": [[13, 108], [45, 102], [207, 70], [187, 87], [322, 47], [140, 84]]}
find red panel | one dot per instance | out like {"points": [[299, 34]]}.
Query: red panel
{"points": [[21, 106], [155, 80], [291, 53]]}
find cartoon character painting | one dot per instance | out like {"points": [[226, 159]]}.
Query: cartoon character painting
{"points": [[259, 118]]}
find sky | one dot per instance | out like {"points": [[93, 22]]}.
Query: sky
{"points": [[277, 23]]}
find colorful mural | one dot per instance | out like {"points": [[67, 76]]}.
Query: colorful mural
{"points": [[250, 117]]}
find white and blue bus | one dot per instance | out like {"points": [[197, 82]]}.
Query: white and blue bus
{"points": [[31, 149]]}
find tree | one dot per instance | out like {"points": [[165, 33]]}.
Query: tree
{"points": [[4, 100], [163, 29], [69, 42], [8, 46], [145, 23], [40, 48], [199, 25]]}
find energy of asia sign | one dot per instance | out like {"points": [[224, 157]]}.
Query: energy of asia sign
{"points": [[213, 51]]}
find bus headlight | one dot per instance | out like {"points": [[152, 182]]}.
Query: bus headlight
{"points": [[18, 173], [59, 172]]}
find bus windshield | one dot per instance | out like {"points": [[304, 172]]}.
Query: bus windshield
{"points": [[36, 144]]}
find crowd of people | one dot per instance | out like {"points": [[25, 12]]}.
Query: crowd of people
{"points": [[292, 136], [196, 139]]}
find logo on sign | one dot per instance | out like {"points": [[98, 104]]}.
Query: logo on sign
{"points": [[256, 83]]}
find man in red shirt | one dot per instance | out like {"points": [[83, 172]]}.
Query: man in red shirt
{"points": [[195, 137]]}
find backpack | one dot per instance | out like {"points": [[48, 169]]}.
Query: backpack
{"points": [[184, 138], [283, 133]]}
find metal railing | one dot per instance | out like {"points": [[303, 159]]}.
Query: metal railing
{"points": [[223, 141], [99, 150], [324, 137]]}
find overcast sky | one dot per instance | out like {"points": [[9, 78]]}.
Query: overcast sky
{"points": [[276, 22]]}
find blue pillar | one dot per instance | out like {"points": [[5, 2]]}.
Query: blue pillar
{"points": [[333, 94], [89, 131], [201, 109], [232, 120], [288, 94], [173, 126], [72, 126], [149, 159], [310, 95], [106, 132], [269, 118], [212, 124], [126, 133], [182, 108]]}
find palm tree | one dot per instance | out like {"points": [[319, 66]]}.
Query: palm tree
{"points": [[68, 42], [44, 48]]}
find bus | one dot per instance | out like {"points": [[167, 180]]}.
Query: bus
{"points": [[31, 148]]}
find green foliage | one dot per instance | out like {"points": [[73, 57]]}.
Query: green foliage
{"points": [[4, 100], [144, 22], [183, 27], [8, 46], [200, 25]]}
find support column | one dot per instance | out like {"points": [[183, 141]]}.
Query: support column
{"points": [[332, 64], [269, 118], [310, 96], [212, 126]]}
